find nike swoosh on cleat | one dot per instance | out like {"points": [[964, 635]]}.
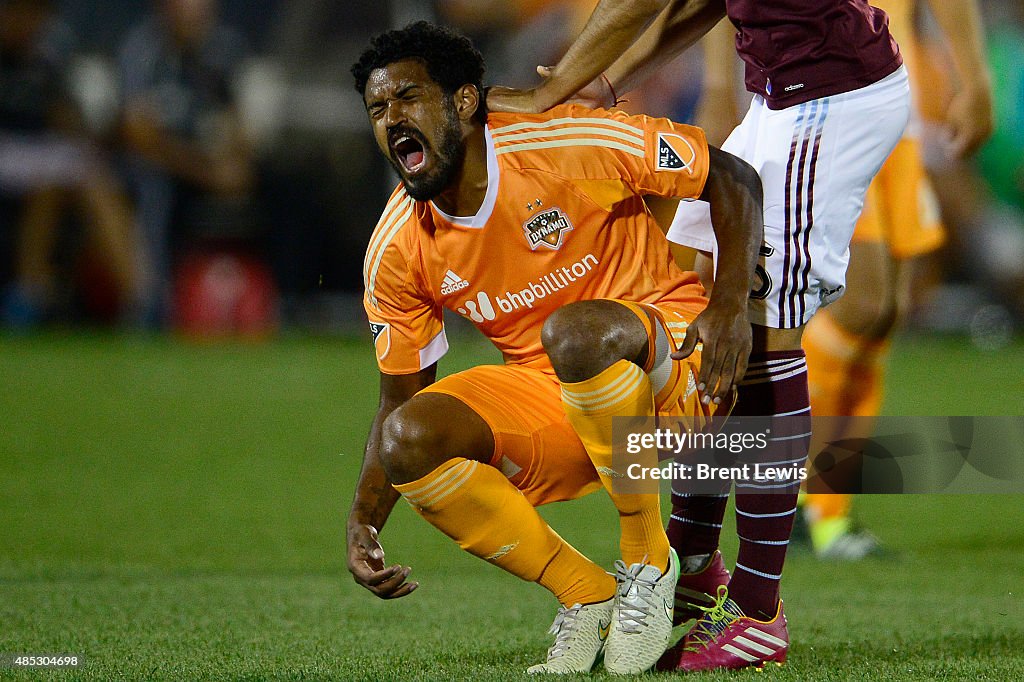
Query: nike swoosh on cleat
{"points": [[609, 472], [603, 629]]}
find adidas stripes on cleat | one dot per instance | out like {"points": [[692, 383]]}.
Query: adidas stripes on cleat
{"points": [[725, 639]]}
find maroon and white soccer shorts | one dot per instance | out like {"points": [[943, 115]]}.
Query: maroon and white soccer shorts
{"points": [[816, 161]]}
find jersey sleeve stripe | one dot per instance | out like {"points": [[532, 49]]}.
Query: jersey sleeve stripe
{"points": [[610, 122], [394, 207], [590, 142], [379, 234], [575, 130], [371, 279]]}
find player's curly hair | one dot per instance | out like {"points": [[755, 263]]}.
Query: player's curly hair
{"points": [[450, 57]]}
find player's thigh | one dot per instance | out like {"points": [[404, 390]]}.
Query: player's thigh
{"points": [[535, 446], [428, 430], [816, 161], [869, 306]]}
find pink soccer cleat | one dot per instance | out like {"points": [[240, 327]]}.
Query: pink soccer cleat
{"points": [[694, 591], [726, 639]]}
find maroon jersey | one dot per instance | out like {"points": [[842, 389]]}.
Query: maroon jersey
{"points": [[799, 50]]}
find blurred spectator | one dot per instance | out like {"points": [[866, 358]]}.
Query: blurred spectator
{"points": [[47, 165], [191, 167]]}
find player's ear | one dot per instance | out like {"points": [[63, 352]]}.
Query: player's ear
{"points": [[467, 101]]}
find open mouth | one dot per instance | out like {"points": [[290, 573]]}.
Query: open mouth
{"points": [[409, 152]]}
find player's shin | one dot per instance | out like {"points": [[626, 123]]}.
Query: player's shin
{"points": [[775, 385], [622, 390], [475, 505], [846, 375]]}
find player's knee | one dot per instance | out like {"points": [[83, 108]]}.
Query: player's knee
{"points": [[411, 446], [883, 319], [866, 313], [581, 340]]}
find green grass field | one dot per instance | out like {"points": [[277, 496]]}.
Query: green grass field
{"points": [[174, 511]]}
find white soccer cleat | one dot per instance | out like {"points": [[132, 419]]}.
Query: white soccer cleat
{"points": [[642, 627], [580, 633]]}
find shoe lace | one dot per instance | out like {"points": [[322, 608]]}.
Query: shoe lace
{"points": [[636, 597], [715, 620], [565, 625]]}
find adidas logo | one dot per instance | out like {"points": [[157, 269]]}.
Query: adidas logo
{"points": [[452, 283]]}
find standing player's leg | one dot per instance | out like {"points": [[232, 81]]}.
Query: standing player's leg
{"points": [[438, 451], [600, 350], [816, 161]]}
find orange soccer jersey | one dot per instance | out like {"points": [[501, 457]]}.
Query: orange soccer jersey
{"points": [[563, 220]]}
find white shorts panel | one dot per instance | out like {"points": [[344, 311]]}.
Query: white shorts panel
{"points": [[815, 161]]}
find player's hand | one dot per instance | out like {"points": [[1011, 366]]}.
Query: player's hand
{"points": [[727, 340], [366, 563], [596, 95], [970, 121], [512, 100]]}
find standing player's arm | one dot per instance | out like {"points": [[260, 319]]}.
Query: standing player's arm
{"points": [[375, 497], [733, 189], [678, 27], [719, 109], [969, 117], [613, 26]]}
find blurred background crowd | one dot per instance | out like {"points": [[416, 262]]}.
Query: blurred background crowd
{"points": [[206, 166]]}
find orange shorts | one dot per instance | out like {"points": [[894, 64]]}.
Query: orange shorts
{"points": [[535, 446], [900, 208]]}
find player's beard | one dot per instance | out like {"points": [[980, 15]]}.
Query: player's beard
{"points": [[448, 156]]}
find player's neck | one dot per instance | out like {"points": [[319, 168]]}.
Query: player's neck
{"points": [[466, 193]]}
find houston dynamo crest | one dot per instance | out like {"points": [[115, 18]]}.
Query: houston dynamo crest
{"points": [[547, 228]]}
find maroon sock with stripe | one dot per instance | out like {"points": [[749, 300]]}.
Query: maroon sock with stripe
{"points": [[696, 521], [775, 384]]}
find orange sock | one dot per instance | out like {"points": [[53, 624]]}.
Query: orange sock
{"points": [[846, 373], [622, 390], [475, 505]]}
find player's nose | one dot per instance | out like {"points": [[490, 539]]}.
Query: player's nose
{"points": [[394, 115]]}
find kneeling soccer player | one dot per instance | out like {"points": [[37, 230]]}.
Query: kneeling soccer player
{"points": [[534, 228]]}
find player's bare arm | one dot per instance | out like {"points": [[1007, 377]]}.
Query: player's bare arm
{"points": [[612, 28], [720, 110], [680, 25], [733, 190], [375, 497], [604, 46], [970, 117]]}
